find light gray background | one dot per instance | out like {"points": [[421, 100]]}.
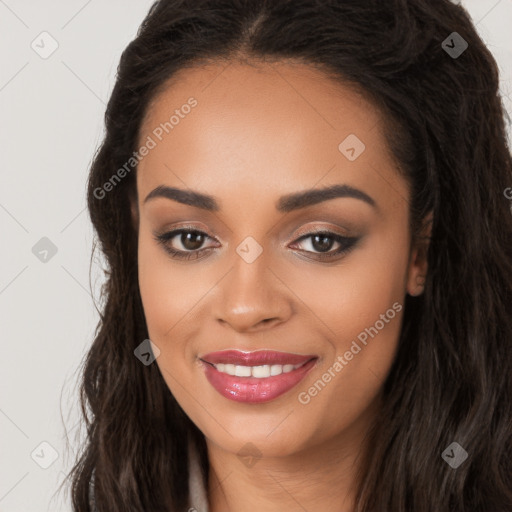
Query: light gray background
{"points": [[51, 124]]}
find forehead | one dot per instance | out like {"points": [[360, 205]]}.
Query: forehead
{"points": [[272, 126]]}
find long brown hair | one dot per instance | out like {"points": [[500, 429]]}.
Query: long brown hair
{"points": [[452, 377]]}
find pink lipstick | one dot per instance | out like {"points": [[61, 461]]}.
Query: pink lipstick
{"points": [[255, 377]]}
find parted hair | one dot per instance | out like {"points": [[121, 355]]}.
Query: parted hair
{"points": [[451, 380]]}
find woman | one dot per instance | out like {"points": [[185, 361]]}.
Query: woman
{"points": [[309, 254]]}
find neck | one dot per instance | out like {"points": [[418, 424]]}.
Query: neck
{"points": [[320, 477]]}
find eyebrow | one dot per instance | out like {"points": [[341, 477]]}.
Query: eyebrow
{"points": [[285, 204]]}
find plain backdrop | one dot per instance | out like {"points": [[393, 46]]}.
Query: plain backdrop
{"points": [[51, 123]]}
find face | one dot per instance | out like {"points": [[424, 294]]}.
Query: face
{"points": [[246, 268]]}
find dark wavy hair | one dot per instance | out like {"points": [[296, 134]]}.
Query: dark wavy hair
{"points": [[452, 376]]}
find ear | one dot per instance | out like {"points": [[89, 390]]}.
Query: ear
{"points": [[418, 260]]}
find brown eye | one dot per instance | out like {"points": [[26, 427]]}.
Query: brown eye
{"points": [[322, 242], [190, 240]]}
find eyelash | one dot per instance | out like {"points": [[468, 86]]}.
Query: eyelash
{"points": [[346, 243]]}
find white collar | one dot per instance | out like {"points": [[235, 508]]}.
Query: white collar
{"points": [[198, 499]]}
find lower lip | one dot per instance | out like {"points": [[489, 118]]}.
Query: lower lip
{"points": [[251, 389]]}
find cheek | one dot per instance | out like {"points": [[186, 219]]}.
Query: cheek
{"points": [[350, 296], [347, 384], [173, 298], [361, 305], [168, 298], [168, 289], [168, 295]]}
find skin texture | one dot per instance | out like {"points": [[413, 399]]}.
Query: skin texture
{"points": [[257, 133]]}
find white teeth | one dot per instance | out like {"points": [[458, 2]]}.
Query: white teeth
{"points": [[276, 369], [243, 371], [260, 372], [229, 369]]}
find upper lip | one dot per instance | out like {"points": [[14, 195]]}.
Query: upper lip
{"points": [[256, 358]]}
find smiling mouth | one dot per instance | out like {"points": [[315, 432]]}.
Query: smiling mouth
{"points": [[255, 377]]}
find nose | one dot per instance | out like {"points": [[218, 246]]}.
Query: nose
{"points": [[252, 297]]}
